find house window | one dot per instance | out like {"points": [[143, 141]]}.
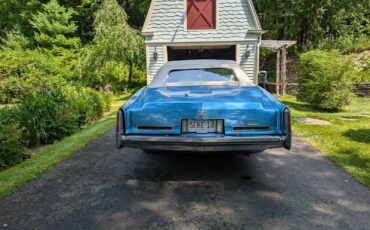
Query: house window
{"points": [[201, 14]]}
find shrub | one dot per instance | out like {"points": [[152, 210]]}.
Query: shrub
{"points": [[11, 147], [88, 104], [26, 70], [107, 98], [44, 117], [324, 80]]}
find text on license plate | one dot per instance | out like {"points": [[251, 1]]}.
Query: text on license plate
{"points": [[202, 126]]}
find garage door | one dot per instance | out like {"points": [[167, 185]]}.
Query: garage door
{"points": [[191, 53]]}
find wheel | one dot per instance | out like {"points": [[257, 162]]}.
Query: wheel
{"points": [[288, 142]]}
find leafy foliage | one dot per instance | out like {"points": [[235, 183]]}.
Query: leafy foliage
{"points": [[16, 40], [113, 55], [53, 26], [48, 115], [310, 22], [88, 104], [23, 70], [362, 70], [15, 15], [44, 117], [137, 10], [11, 147], [348, 44], [324, 80]]}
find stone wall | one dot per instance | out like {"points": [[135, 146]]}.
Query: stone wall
{"points": [[363, 90]]}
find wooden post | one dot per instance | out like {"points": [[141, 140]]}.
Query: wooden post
{"points": [[278, 72], [283, 70]]}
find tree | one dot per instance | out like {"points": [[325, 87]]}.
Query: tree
{"points": [[15, 15], [53, 26], [311, 21], [115, 45], [84, 17], [137, 10]]}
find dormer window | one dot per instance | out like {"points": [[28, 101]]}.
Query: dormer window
{"points": [[201, 14]]}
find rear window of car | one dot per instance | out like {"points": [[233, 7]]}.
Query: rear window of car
{"points": [[202, 75]]}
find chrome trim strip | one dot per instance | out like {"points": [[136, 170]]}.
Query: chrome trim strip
{"points": [[204, 144], [154, 128], [208, 140], [251, 128]]}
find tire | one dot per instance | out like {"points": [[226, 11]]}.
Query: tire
{"points": [[288, 142]]}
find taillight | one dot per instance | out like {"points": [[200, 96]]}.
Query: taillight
{"points": [[120, 122], [287, 125], [287, 128], [118, 129]]}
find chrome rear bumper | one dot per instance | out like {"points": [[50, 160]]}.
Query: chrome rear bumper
{"points": [[204, 144]]}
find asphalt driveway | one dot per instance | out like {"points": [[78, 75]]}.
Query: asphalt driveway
{"points": [[100, 187]]}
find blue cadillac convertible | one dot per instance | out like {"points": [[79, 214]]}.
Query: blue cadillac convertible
{"points": [[203, 105]]}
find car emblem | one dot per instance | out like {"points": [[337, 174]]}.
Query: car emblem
{"points": [[201, 114]]}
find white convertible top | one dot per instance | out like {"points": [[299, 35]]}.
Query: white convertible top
{"points": [[160, 79]]}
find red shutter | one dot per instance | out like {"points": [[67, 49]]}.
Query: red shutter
{"points": [[201, 14]]}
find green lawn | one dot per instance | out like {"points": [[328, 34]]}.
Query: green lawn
{"points": [[346, 142], [53, 154]]}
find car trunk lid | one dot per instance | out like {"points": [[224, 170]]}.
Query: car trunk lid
{"points": [[238, 106]]}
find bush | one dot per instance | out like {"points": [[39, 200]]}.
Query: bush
{"points": [[88, 104], [324, 80], [11, 147], [44, 117], [24, 71]]}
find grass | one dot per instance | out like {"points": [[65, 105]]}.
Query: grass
{"points": [[346, 142], [13, 177]]}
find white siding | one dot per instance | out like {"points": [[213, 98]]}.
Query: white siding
{"points": [[249, 64], [168, 23], [154, 65]]}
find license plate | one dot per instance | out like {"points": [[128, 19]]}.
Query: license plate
{"points": [[202, 126]]}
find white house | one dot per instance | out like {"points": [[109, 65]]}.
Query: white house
{"points": [[202, 29]]}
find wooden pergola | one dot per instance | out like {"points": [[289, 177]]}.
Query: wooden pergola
{"points": [[281, 57]]}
